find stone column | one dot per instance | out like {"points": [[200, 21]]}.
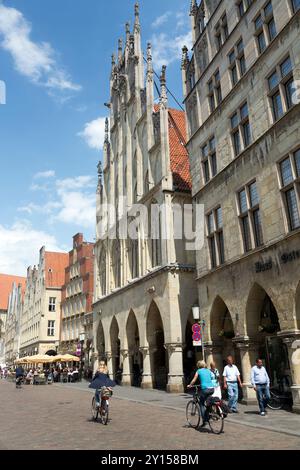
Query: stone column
{"points": [[293, 346], [109, 358], [147, 381], [213, 353], [126, 376], [244, 346], [175, 375]]}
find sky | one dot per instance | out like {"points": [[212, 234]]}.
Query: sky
{"points": [[55, 61]]}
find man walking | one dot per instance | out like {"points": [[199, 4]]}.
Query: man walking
{"points": [[232, 381], [261, 384]]}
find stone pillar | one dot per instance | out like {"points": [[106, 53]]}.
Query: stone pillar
{"points": [[147, 381], [293, 346], [95, 361], [245, 347], [213, 353], [126, 376], [175, 375], [109, 358]]}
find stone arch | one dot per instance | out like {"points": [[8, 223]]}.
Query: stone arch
{"points": [[222, 333], [156, 341], [100, 341], [260, 313], [263, 326], [135, 355], [115, 345]]}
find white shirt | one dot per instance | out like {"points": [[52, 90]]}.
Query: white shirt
{"points": [[231, 373], [259, 376]]}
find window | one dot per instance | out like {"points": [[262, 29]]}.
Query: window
{"points": [[52, 304], [241, 129], [265, 27], [221, 32], [237, 62], [296, 5], [289, 171], [215, 237], [51, 328], [281, 88], [249, 215], [214, 91], [243, 6], [209, 160]]}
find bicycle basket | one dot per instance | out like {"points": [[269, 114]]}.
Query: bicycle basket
{"points": [[224, 408], [106, 393]]}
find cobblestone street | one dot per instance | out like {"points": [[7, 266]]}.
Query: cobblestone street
{"points": [[53, 418]]}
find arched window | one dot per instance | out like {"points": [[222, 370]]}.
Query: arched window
{"points": [[116, 263], [102, 272], [133, 258], [146, 183], [155, 234]]}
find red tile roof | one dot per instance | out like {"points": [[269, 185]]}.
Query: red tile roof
{"points": [[180, 163], [55, 265], [6, 283]]}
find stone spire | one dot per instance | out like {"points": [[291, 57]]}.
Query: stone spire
{"points": [[120, 49], [163, 87], [127, 31], [100, 175], [185, 58], [149, 62], [106, 136], [137, 25], [193, 8]]}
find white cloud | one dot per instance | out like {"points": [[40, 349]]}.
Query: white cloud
{"points": [[78, 208], [45, 174], [93, 133], [22, 244], [36, 61], [71, 201], [168, 48], [160, 20]]}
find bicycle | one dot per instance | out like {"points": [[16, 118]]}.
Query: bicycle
{"points": [[103, 409], [214, 412], [278, 400]]}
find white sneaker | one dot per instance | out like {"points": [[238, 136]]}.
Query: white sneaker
{"points": [[262, 413]]}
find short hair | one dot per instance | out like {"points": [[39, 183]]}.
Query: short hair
{"points": [[201, 364], [258, 359]]}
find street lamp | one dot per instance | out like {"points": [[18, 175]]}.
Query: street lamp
{"points": [[196, 313]]}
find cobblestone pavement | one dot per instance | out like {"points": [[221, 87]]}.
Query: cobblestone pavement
{"points": [[53, 418], [280, 421]]}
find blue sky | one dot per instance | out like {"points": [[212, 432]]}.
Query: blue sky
{"points": [[55, 58]]}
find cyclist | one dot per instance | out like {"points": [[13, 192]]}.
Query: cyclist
{"points": [[101, 379], [19, 375], [206, 388]]}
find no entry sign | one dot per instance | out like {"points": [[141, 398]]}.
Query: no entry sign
{"points": [[197, 335]]}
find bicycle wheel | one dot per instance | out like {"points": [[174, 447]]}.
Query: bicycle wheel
{"points": [[193, 414], [95, 410], [216, 419], [275, 402], [104, 412]]}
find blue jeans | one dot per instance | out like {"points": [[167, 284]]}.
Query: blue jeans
{"points": [[263, 396], [97, 396], [204, 394], [233, 395]]}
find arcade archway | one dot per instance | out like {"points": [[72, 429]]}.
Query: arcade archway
{"points": [[115, 349], [158, 353], [135, 356]]}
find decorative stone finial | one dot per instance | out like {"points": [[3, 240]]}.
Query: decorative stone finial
{"points": [[193, 8], [185, 58], [163, 85]]}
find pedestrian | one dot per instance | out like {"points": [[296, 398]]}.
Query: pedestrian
{"points": [[206, 388], [216, 380], [232, 381], [261, 384]]}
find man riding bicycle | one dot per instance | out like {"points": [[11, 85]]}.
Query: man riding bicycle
{"points": [[206, 388]]}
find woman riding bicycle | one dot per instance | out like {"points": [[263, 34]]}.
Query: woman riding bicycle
{"points": [[206, 388], [100, 380]]}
